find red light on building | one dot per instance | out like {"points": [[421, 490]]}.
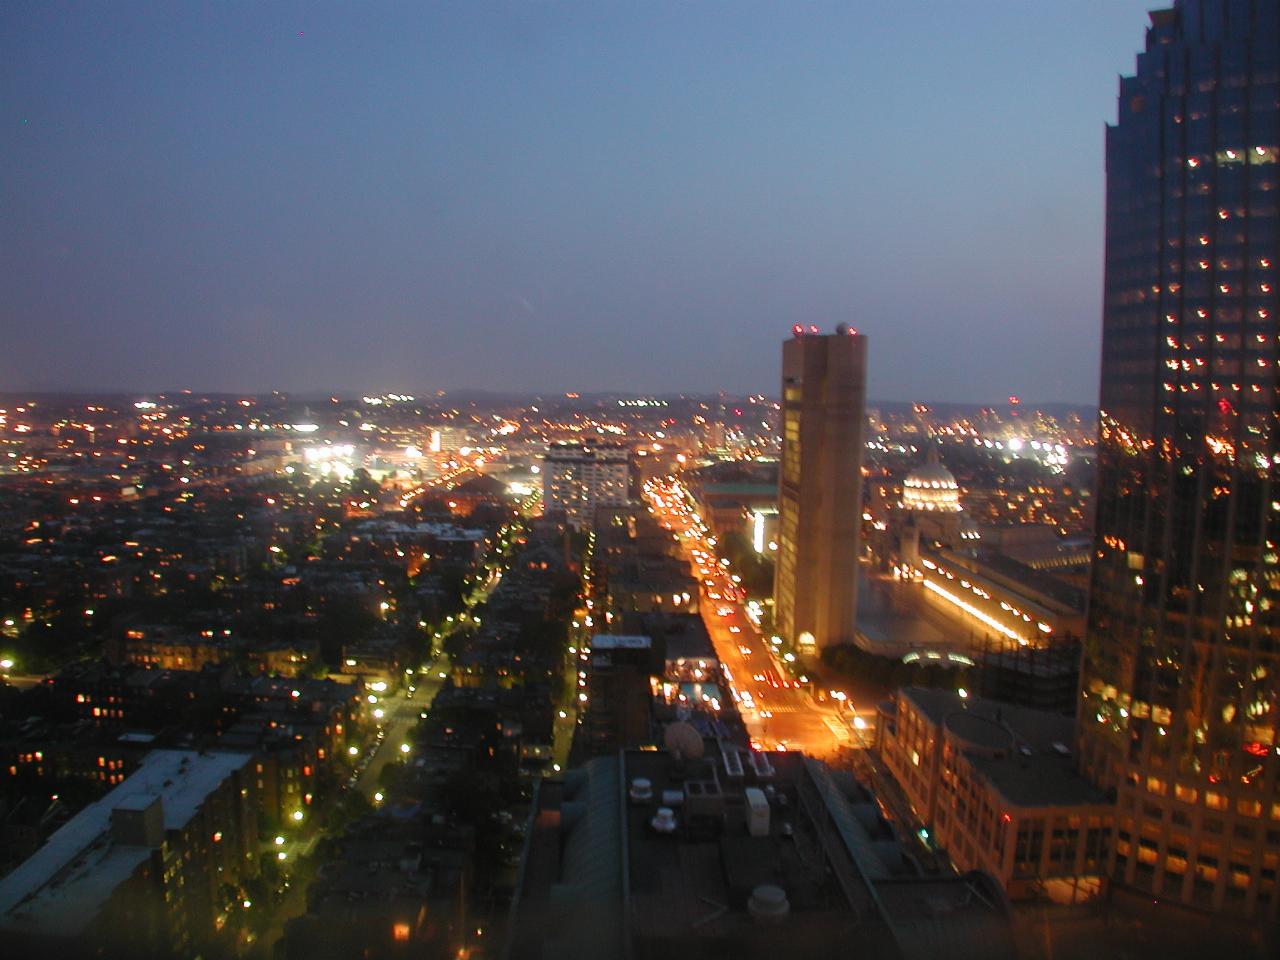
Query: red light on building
{"points": [[797, 330], [1013, 400]]}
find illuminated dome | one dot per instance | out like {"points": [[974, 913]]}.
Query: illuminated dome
{"points": [[931, 487]]}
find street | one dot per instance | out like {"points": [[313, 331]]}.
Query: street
{"points": [[779, 712], [401, 711]]}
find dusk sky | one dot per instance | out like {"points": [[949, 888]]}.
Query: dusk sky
{"points": [[554, 196]]}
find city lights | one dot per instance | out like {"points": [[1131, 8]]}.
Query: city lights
{"points": [[883, 638]]}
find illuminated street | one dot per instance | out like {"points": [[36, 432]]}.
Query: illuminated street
{"points": [[779, 712]]}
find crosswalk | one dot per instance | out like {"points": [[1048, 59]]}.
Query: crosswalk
{"points": [[781, 708], [838, 729]]}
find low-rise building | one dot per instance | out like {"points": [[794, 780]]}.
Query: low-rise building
{"points": [[997, 788], [617, 676], [394, 890]]}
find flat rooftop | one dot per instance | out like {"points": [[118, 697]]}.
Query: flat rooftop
{"points": [[602, 881], [61, 888], [684, 635], [1030, 762], [695, 887], [620, 641]]}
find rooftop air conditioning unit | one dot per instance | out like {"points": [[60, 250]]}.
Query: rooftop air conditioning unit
{"points": [[768, 904], [664, 821], [641, 790]]}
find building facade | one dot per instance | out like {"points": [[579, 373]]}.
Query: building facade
{"points": [[144, 871], [579, 477], [1181, 671], [820, 486], [995, 786]]}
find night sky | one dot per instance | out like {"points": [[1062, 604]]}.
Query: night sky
{"points": [[554, 196]]}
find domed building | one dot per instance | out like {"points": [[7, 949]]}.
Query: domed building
{"points": [[931, 488], [929, 510]]}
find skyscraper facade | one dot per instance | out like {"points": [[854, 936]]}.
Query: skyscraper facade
{"points": [[820, 486], [1181, 673]]}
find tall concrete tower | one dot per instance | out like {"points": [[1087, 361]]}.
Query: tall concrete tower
{"points": [[820, 486]]}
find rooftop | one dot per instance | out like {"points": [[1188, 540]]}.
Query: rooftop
{"points": [[67, 881], [619, 641], [688, 889], [1023, 753]]}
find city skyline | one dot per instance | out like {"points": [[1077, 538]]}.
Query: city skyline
{"points": [[288, 199], [520, 480]]}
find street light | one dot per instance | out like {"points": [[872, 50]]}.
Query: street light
{"points": [[297, 816]]}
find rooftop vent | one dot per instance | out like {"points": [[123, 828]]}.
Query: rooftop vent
{"points": [[641, 790], [664, 821], [768, 904], [732, 762], [757, 812]]}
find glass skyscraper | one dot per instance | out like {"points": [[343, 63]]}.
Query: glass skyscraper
{"points": [[1181, 672]]}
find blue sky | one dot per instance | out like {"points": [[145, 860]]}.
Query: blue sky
{"points": [[552, 196]]}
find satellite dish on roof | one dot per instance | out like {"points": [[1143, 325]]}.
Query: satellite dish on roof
{"points": [[682, 740]]}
